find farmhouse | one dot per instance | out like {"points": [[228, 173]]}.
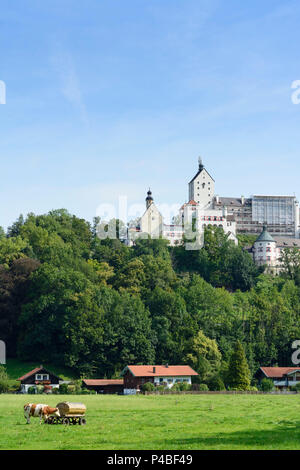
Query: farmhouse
{"points": [[104, 385], [283, 377], [39, 376], [135, 376]]}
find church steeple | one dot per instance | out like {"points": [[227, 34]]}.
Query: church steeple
{"points": [[149, 199], [201, 166]]}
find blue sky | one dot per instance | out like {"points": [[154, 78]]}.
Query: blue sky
{"points": [[109, 97]]}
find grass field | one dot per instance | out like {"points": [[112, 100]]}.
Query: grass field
{"points": [[159, 422]]}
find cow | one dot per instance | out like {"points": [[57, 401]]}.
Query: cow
{"points": [[39, 410]]}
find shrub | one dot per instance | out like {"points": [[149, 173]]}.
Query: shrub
{"points": [[39, 389], [63, 389], [4, 386], [3, 373], [203, 387], [216, 383], [185, 387], [147, 387], [31, 390], [266, 385], [71, 388], [297, 387], [13, 388], [55, 391], [176, 387]]}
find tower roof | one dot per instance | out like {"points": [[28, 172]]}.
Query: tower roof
{"points": [[265, 236]]}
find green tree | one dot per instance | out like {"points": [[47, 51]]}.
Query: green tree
{"points": [[238, 372], [204, 356]]}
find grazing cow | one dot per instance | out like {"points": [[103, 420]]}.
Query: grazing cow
{"points": [[39, 410]]}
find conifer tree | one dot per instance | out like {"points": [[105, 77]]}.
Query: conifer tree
{"points": [[238, 371]]}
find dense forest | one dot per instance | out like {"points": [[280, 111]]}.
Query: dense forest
{"points": [[69, 298]]}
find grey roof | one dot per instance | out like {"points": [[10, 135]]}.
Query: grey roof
{"points": [[287, 242], [200, 171], [265, 236], [232, 201]]}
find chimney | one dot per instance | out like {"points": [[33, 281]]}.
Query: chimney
{"points": [[154, 370], [167, 365], [242, 200]]}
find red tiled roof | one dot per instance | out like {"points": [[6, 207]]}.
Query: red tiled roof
{"points": [[103, 381], [190, 203], [278, 371], [147, 371], [34, 371]]}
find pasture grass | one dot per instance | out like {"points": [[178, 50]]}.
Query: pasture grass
{"points": [[158, 422]]}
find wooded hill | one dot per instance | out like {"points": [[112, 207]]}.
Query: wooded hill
{"points": [[69, 298]]}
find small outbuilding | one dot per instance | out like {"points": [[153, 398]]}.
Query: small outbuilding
{"points": [[104, 385]]}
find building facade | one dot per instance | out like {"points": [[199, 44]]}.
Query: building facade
{"points": [[236, 215], [202, 187], [267, 250], [136, 376], [39, 376], [283, 377]]}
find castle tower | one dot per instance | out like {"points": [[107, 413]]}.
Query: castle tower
{"points": [[265, 250], [202, 187], [151, 221], [149, 199]]}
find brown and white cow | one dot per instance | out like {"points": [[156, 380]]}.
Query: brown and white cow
{"points": [[39, 410]]}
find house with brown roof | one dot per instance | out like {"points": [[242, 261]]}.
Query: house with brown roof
{"points": [[104, 385], [283, 377], [39, 376], [136, 376]]}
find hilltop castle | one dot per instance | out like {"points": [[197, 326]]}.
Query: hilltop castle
{"points": [[276, 216]]}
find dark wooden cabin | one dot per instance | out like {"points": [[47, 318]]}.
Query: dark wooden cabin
{"points": [[104, 385]]}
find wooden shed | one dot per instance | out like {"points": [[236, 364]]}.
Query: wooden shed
{"points": [[104, 385]]}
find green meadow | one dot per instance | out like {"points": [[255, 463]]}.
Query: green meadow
{"points": [[158, 422]]}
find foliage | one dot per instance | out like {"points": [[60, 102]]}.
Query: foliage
{"points": [[238, 377], [4, 383], [267, 385], [203, 388], [215, 383], [71, 299], [63, 389], [296, 387], [147, 387]]}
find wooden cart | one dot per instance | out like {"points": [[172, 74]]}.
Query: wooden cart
{"points": [[70, 413]]}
